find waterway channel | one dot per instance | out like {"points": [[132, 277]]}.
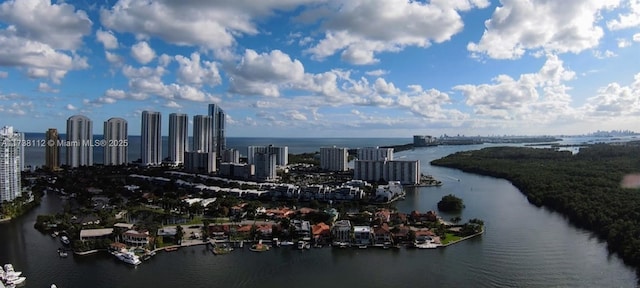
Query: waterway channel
{"points": [[523, 246]]}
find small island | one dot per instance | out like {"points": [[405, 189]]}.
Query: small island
{"points": [[450, 203]]}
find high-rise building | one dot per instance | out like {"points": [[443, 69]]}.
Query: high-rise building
{"points": [[424, 141], [334, 159], [79, 138], [116, 141], [11, 164], [199, 162], [218, 139], [178, 137], [375, 153], [52, 150], [151, 134], [202, 140], [282, 153], [265, 166], [405, 171], [230, 156]]}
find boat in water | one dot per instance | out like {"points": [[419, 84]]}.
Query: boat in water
{"points": [[425, 243], [286, 243], [259, 247], [9, 272], [64, 240], [127, 257]]}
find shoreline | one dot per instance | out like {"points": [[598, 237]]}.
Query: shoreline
{"points": [[463, 238]]}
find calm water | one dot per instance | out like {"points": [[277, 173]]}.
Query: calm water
{"points": [[523, 246]]}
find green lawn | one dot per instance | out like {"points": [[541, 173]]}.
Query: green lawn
{"points": [[450, 238]]}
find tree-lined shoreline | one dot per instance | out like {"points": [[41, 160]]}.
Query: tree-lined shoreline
{"points": [[585, 187]]}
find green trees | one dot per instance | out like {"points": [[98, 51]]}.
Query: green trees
{"points": [[450, 203], [585, 187]]}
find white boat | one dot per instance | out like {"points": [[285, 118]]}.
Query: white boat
{"points": [[54, 286], [286, 243], [301, 244], [15, 281], [425, 243], [9, 272], [64, 240], [128, 257]]}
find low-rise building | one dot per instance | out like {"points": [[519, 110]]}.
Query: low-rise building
{"points": [[362, 235], [341, 231], [301, 228], [382, 234], [136, 238], [95, 234]]}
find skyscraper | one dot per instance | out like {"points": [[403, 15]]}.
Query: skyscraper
{"points": [[282, 153], [375, 153], [79, 137], [52, 150], [116, 141], [265, 164], [218, 139], [11, 164], [178, 136], [202, 139], [334, 159], [151, 134]]}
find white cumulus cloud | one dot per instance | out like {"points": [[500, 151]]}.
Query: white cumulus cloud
{"points": [[359, 29], [108, 40], [142, 52], [553, 26]]}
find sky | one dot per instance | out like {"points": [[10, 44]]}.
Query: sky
{"points": [[326, 68]]}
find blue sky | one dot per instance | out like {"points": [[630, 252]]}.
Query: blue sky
{"points": [[326, 68]]}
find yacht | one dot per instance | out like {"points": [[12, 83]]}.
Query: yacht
{"points": [[129, 257], [64, 240], [301, 245], [11, 281], [9, 272], [425, 243]]}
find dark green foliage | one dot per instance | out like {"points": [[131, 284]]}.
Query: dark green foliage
{"points": [[450, 203], [585, 187]]}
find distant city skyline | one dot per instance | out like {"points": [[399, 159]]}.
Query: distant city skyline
{"points": [[314, 68]]}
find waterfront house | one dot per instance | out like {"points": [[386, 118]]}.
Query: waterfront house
{"points": [[243, 230], [168, 234], [341, 231], [218, 231], [382, 234], [301, 228], [265, 231], [136, 238], [95, 234], [321, 232], [362, 235], [400, 234]]}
